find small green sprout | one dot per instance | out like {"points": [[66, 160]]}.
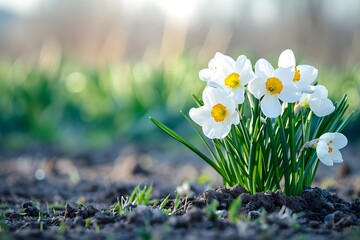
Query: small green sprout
{"points": [[164, 202], [211, 210], [41, 226], [97, 228], [234, 210], [140, 196], [177, 203], [62, 228], [3, 226], [81, 201], [87, 222]]}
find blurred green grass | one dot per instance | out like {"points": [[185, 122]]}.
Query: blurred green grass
{"points": [[79, 108]]}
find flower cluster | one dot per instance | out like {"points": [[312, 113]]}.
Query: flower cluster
{"points": [[286, 84], [268, 125], [228, 80]]}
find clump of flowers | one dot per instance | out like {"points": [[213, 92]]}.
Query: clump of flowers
{"points": [[268, 127]]}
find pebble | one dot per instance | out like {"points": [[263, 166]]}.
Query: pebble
{"points": [[87, 212], [254, 215], [143, 214], [104, 217], [30, 209]]}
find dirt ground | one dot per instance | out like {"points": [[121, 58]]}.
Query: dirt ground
{"points": [[45, 194]]}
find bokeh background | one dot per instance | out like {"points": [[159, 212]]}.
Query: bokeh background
{"points": [[86, 75]]}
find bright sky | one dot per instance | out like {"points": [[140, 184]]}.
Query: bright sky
{"points": [[19, 6], [182, 10]]}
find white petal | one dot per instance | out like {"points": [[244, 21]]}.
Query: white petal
{"points": [[263, 69], [322, 107], [212, 64], [212, 96], [238, 95], [200, 115], [308, 73], [225, 63], [243, 65], [229, 103], [209, 129], [287, 59], [216, 130], [270, 106], [304, 98], [206, 74], [327, 161], [215, 84], [246, 78], [304, 87], [322, 152], [235, 118], [326, 137], [322, 90], [290, 93], [336, 156], [322, 149], [240, 63], [285, 75], [340, 140], [257, 87]]}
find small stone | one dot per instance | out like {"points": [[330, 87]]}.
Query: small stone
{"points": [[194, 215], [69, 211], [254, 215], [245, 198], [316, 200], [87, 212], [79, 221], [30, 209], [314, 224], [280, 198], [236, 190], [143, 214], [104, 217], [209, 196], [178, 221]]}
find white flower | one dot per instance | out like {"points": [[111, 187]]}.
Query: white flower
{"points": [[273, 85], [318, 101], [328, 147], [232, 76], [184, 189], [304, 75], [217, 115]]}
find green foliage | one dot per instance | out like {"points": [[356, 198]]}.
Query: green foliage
{"points": [[78, 106], [171, 210], [119, 206], [3, 227], [87, 222], [259, 153], [211, 210], [164, 202], [62, 228], [234, 210], [140, 196]]}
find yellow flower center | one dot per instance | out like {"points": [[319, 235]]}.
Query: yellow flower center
{"points": [[330, 149], [219, 112], [296, 75], [274, 85], [305, 103], [233, 80]]}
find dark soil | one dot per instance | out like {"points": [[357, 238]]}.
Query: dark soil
{"points": [[76, 201]]}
